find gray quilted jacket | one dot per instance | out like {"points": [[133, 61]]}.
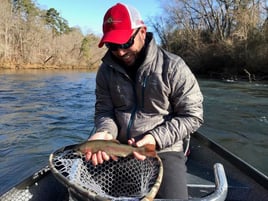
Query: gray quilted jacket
{"points": [[165, 99]]}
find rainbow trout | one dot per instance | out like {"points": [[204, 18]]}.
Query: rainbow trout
{"points": [[113, 147]]}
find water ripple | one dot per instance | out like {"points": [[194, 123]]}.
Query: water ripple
{"points": [[41, 112]]}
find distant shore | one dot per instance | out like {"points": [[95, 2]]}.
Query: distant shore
{"points": [[228, 78], [14, 66]]}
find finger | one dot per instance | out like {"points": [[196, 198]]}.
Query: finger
{"points": [[139, 156], [115, 158], [105, 156], [131, 141], [147, 139], [88, 156], [101, 136], [141, 142], [99, 157], [94, 159]]}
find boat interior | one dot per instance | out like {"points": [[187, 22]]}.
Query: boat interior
{"points": [[213, 174]]}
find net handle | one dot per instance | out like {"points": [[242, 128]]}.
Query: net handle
{"points": [[154, 190]]}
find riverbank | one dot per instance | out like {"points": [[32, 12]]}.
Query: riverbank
{"points": [[21, 66], [225, 77]]}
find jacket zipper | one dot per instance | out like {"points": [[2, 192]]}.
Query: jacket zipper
{"points": [[132, 115], [135, 108], [143, 90], [131, 122]]}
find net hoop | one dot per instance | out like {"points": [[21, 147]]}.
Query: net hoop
{"points": [[66, 166]]}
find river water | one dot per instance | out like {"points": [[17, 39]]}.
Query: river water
{"points": [[41, 111]]}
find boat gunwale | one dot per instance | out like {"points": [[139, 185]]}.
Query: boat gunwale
{"points": [[233, 159]]}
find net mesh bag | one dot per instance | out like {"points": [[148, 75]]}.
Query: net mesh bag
{"points": [[124, 179]]}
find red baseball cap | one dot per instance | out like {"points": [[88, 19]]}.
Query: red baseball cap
{"points": [[119, 23]]}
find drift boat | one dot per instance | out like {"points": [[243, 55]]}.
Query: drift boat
{"points": [[214, 174]]}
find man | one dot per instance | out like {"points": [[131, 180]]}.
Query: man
{"points": [[145, 95]]}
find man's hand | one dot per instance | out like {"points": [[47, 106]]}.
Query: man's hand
{"points": [[147, 139], [100, 156], [101, 136]]}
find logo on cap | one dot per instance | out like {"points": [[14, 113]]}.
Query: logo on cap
{"points": [[111, 21]]}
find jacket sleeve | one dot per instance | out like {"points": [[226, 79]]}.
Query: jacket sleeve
{"points": [[186, 100], [104, 115]]}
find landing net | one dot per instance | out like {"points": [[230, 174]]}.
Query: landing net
{"points": [[124, 179]]}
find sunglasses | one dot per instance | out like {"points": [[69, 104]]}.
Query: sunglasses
{"points": [[128, 44]]}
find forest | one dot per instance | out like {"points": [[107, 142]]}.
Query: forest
{"points": [[226, 39], [34, 38]]}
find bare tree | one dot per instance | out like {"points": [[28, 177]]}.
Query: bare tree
{"points": [[5, 25], [220, 35], [33, 37]]}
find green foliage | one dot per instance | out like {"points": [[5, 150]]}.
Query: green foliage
{"points": [[85, 48], [25, 8], [58, 24]]}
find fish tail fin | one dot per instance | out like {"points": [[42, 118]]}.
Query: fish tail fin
{"points": [[149, 150]]}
